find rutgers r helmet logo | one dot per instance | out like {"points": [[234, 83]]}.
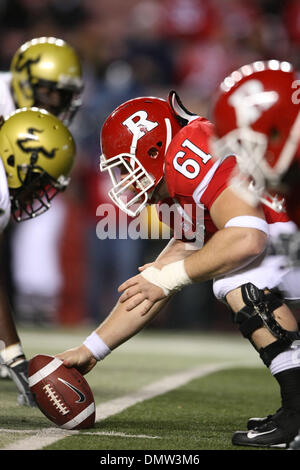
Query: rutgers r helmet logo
{"points": [[138, 124], [250, 101]]}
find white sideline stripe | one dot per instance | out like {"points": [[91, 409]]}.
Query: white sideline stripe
{"points": [[80, 417], [164, 385], [72, 433], [44, 372], [103, 411]]}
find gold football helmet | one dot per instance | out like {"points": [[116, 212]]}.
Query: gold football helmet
{"points": [[46, 73], [38, 153]]}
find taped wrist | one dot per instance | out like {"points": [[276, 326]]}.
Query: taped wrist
{"points": [[97, 346], [170, 278]]}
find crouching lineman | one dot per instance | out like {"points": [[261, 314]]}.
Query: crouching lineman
{"points": [[161, 153], [256, 113], [37, 153]]}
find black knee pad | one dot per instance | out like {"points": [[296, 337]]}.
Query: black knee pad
{"points": [[258, 312], [259, 307], [269, 353]]}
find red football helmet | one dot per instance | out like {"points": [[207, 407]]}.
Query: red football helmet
{"points": [[134, 141], [257, 118]]}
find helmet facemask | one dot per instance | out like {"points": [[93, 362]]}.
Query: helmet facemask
{"points": [[36, 192], [249, 148], [61, 100], [131, 182]]}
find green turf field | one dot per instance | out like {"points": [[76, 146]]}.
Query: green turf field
{"points": [[159, 391]]}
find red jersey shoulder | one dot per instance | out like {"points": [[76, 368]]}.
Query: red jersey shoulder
{"points": [[272, 216], [188, 157]]}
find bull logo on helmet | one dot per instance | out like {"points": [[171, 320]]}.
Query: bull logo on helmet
{"points": [[27, 63], [22, 64], [34, 144]]}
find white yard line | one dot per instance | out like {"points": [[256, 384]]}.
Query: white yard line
{"points": [[48, 436], [72, 433]]}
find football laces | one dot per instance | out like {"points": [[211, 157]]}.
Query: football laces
{"points": [[55, 400]]}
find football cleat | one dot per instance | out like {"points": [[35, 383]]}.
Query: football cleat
{"points": [[278, 431], [256, 422], [266, 435], [19, 375], [295, 444]]}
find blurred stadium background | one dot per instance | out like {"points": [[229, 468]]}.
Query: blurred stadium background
{"points": [[61, 273]]}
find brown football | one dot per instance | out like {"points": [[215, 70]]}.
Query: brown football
{"points": [[61, 393]]}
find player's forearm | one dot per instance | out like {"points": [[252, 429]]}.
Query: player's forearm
{"points": [[8, 332], [174, 251], [227, 250], [121, 325]]}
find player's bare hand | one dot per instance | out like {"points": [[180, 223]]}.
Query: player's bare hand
{"points": [[137, 291], [80, 357]]}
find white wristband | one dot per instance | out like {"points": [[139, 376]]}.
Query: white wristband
{"points": [[97, 346], [170, 278]]}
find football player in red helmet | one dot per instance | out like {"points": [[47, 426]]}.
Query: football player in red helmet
{"points": [[257, 117], [143, 159], [256, 113], [160, 153]]}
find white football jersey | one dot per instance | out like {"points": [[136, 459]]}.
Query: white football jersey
{"points": [[4, 199], [7, 106]]}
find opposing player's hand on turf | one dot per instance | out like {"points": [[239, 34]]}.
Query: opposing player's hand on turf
{"points": [[81, 358], [137, 291]]}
